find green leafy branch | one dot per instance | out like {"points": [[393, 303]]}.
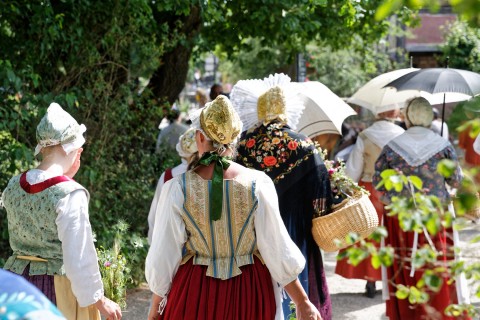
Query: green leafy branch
{"points": [[417, 211]]}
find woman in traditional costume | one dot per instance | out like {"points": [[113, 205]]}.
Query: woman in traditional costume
{"points": [[48, 224], [219, 248], [360, 167], [270, 111], [417, 152], [187, 149]]}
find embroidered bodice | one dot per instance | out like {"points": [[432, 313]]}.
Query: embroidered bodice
{"points": [[32, 227], [228, 243]]}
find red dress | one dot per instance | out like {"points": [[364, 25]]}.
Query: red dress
{"points": [[364, 270], [466, 142], [399, 273], [194, 295]]}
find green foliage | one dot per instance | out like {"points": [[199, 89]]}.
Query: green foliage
{"points": [[114, 267], [419, 212], [342, 63], [469, 10], [342, 71], [290, 25], [457, 118], [87, 57], [293, 311], [346, 69], [241, 65], [462, 46]]}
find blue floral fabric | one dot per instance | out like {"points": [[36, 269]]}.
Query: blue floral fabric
{"points": [[433, 182], [21, 300]]}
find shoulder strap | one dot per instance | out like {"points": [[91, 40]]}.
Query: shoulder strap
{"points": [[168, 175], [39, 187]]}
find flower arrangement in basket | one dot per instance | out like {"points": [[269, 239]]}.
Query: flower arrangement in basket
{"points": [[352, 210]]}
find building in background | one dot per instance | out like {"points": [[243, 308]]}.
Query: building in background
{"points": [[423, 43]]}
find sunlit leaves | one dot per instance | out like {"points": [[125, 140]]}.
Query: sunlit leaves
{"points": [[446, 167], [423, 256], [468, 9], [402, 292], [433, 281]]}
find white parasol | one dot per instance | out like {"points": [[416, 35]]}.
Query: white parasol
{"points": [[324, 111]]}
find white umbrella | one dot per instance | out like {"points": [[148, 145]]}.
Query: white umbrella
{"points": [[378, 98], [324, 111]]}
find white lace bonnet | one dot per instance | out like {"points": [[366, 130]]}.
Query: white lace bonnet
{"points": [[245, 95]]}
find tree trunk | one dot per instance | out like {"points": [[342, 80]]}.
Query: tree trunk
{"points": [[169, 79]]}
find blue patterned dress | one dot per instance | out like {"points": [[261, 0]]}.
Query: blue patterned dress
{"points": [[19, 299]]}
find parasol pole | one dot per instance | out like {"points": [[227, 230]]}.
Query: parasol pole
{"points": [[443, 108], [443, 115]]}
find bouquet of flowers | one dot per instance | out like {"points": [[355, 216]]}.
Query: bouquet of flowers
{"points": [[342, 186], [114, 269]]}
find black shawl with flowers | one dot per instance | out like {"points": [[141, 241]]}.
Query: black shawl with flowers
{"points": [[302, 182], [283, 154]]}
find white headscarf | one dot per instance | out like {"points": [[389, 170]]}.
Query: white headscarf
{"points": [[187, 145]]}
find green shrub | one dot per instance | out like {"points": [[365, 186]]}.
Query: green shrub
{"points": [[87, 57]]}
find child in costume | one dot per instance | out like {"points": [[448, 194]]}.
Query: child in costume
{"points": [[49, 227]]}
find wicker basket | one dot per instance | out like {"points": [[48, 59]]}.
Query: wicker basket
{"points": [[356, 214]]}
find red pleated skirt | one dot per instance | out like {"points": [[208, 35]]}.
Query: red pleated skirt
{"points": [[364, 270], [195, 296], [399, 273]]}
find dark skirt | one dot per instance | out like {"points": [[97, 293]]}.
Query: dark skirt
{"points": [[195, 296], [44, 283]]}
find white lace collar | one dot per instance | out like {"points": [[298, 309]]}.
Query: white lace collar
{"points": [[382, 131], [418, 144]]}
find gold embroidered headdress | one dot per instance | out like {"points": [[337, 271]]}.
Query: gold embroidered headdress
{"points": [[219, 121], [272, 105]]}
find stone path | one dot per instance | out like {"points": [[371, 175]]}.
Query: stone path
{"points": [[347, 295]]}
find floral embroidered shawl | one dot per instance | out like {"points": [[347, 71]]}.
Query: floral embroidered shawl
{"points": [[276, 149]]}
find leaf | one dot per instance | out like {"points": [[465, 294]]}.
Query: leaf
{"points": [[414, 296], [416, 181], [376, 262], [402, 292], [432, 225], [386, 8], [386, 256], [433, 281], [446, 168], [388, 173], [11, 75]]}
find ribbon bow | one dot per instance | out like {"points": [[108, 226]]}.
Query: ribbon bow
{"points": [[216, 194]]}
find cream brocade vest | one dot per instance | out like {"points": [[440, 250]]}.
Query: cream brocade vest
{"points": [[228, 243], [32, 227], [370, 155]]}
